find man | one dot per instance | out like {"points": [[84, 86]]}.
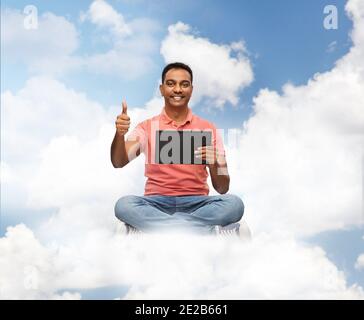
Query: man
{"points": [[176, 194]]}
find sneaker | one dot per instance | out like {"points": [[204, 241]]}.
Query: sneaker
{"points": [[131, 230], [244, 231], [228, 230]]}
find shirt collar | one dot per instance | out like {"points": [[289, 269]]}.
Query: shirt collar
{"points": [[168, 120]]}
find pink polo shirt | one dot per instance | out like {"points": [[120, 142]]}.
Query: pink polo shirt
{"points": [[173, 179]]}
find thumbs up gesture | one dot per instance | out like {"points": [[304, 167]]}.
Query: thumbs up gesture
{"points": [[123, 121]]}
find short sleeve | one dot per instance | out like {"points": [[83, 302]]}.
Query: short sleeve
{"points": [[139, 134]]}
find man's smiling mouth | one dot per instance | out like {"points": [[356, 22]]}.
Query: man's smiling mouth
{"points": [[177, 98]]}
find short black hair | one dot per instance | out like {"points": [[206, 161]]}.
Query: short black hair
{"points": [[176, 65]]}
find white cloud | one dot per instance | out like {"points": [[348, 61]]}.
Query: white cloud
{"points": [[270, 267], [45, 108], [360, 262], [41, 111], [104, 15], [120, 62], [220, 71], [133, 43], [74, 173], [39, 48], [13, 34], [355, 9], [65, 153], [27, 268]]}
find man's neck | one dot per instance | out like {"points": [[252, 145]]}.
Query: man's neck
{"points": [[177, 114]]}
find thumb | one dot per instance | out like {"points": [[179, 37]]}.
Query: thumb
{"points": [[125, 107]]}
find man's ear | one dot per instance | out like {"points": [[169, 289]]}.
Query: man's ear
{"points": [[161, 89]]}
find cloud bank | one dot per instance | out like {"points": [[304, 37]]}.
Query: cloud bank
{"points": [[153, 267]]}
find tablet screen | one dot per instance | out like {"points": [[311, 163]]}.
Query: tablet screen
{"points": [[178, 146]]}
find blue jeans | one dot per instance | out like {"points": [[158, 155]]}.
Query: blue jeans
{"points": [[186, 213]]}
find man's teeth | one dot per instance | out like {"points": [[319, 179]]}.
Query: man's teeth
{"points": [[177, 98]]}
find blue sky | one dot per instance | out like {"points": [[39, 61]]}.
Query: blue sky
{"points": [[285, 42]]}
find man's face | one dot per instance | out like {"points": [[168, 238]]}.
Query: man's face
{"points": [[177, 88]]}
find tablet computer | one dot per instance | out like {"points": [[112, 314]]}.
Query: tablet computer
{"points": [[178, 146]]}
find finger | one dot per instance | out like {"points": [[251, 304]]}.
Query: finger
{"points": [[210, 152], [125, 107], [120, 126], [208, 148], [205, 152], [121, 121], [202, 154], [205, 148], [206, 156], [125, 117]]}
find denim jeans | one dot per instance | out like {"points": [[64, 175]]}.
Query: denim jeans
{"points": [[196, 214]]}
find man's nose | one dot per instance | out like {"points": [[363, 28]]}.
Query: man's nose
{"points": [[177, 88]]}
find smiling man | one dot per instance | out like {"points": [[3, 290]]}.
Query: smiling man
{"points": [[176, 193]]}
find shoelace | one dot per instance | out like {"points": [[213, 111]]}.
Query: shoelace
{"points": [[226, 232], [229, 232], [132, 230]]}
